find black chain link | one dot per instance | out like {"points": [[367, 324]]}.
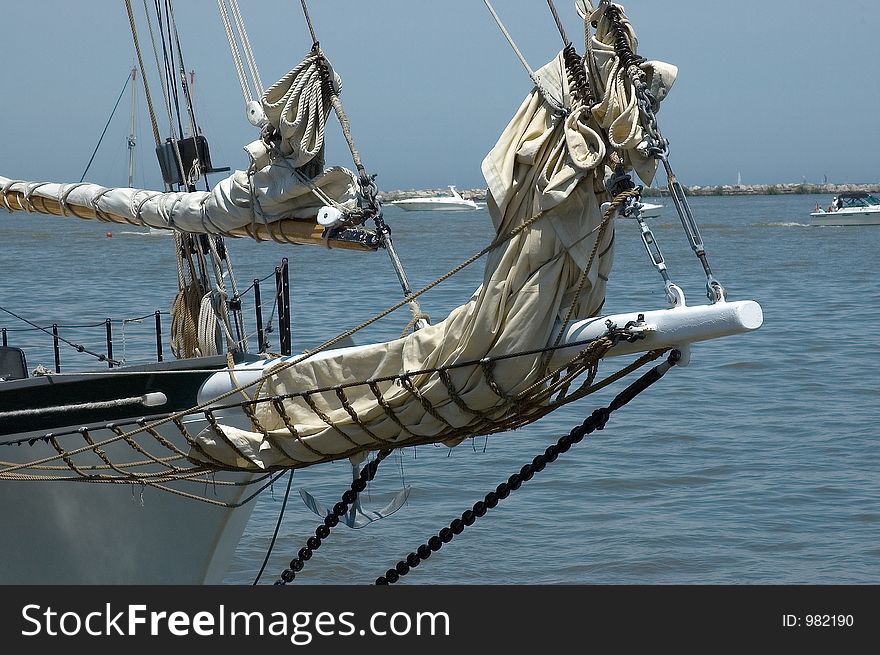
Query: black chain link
{"points": [[340, 509], [580, 85], [596, 421], [621, 39]]}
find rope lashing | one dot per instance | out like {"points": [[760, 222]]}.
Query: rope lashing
{"points": [[596, 421]]}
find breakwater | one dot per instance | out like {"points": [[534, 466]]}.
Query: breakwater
{"points": [[479, 195]]}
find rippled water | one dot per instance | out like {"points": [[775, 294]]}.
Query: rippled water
{"points": [[758, 463]]}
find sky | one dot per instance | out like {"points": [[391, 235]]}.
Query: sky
{"points": [[775, 91]]}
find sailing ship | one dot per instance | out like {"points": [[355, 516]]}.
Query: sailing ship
{"points": [[216, 426]]}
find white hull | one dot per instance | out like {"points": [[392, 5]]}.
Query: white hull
{"points": [[64, 532], [846, 217], [650, 210], [72, 531], [435, 204]]}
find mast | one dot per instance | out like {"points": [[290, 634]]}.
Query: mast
{"points": [[132, 133]]}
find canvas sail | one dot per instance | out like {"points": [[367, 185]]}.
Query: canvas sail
{"points": [[543, 163]]}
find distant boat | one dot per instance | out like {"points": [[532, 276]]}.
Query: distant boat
{"points": [[850, 208], [650, 210], [442, 203]]}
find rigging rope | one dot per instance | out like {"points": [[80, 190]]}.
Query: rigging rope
{"points": [[556, 103], [559, 26], [192, 290], [233, 49], [371, 207], [101, 138], [137, 47], [277, 526], [249, 53]]}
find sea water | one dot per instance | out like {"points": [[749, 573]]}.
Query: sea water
{"points": [[757, 463]]}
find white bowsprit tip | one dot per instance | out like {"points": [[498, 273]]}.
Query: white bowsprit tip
{"points": [[750, 315]]}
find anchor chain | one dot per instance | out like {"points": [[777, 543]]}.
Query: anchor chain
{"points": [[596, 421], [580, 84], [657, 146], [340, 509]]}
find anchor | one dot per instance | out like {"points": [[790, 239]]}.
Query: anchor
{"points": [[357, 516]]}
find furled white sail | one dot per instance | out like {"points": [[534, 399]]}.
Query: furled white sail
{"points": [[239, 201], [543, 163], [275, 189]]}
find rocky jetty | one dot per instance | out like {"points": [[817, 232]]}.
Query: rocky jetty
{"points": [[479, 195], [766, 189]]}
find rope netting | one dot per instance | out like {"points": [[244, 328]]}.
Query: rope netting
{"points": [[165, 449]]}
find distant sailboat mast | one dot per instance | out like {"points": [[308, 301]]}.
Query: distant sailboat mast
{"points": [[739, 179], [132, 133]]}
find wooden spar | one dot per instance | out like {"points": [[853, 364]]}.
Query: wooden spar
{"points": [[291, 231]]}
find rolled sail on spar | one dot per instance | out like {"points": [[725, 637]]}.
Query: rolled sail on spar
{"points": [[289, 208], [276, 199]]}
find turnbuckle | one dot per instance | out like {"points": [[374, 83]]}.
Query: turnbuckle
{"points": [[674, 293]]}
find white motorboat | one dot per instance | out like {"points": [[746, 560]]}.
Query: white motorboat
{"points": [[650, 210], [453, 202], [646, 210], [849, 208]]}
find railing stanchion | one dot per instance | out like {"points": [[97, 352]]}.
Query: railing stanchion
{"points": [[158, 336], [109, 327], [262, 346], [57, 349]]}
